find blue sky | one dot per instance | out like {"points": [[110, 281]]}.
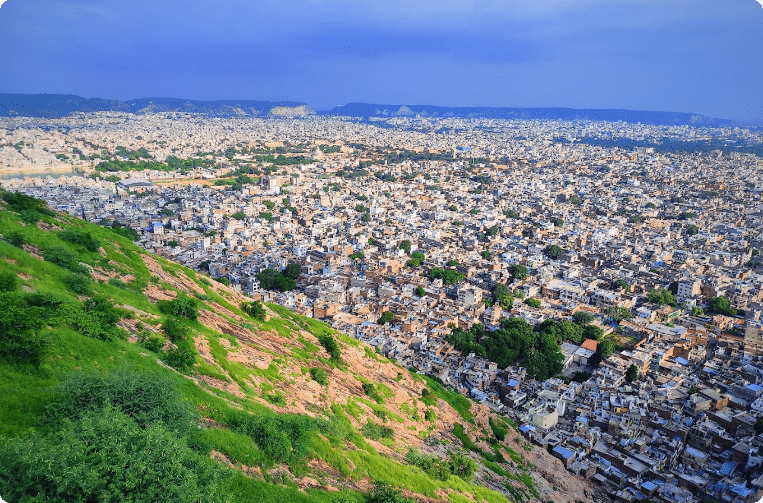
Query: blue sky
{"points": [[702, 56]]}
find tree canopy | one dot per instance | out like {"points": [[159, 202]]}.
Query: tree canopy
{"points": [[720, 305], [553, 251], [514, 342]]}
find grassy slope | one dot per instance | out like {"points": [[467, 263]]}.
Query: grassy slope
{"points": [[25, 392]]}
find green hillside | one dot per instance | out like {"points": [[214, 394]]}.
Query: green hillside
{"points": [[124, 377]]}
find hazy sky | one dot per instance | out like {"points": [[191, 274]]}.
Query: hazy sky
{"points": [[702, 56]]}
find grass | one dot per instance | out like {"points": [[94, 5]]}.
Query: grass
{"points": [[456, 400], [458, 431]]}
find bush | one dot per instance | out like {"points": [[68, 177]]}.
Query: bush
{"points": [[20, 323], [383, 493], [330, 345], [462, 466], [104, 455], [153, 343], [8, 282], [78, 283], [180, 358], [254, 309], [376, 431], [284, 438], [181, 306], [15, 238], [81, 238], [60, 256], [146, 397], [428, 397], [320, 376], [434, 467], [175, 330]]}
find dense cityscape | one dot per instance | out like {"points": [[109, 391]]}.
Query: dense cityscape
{"points": [[599, 283]]}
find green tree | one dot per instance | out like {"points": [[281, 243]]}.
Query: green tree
{"points": [[720, 305], [553, 251], [631, 374], [448, 276], [618, 313], [503, 297], [239, 215], [592, 332], [692, 230], [293, 270], [405, 244], [270, 279], [419, 291], [386, 317], [582, 318], [532, 302], [417, 258], [759, 425], [621, 284], [605, 348], [662, 297], [519, 272]]}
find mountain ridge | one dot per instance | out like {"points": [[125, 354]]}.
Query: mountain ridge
{"points": [[633, 116], [61, 105]]}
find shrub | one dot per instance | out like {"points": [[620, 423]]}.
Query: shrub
{"points": [[146, 397], [8, 282], [320, 376], [428, 397], [81, 238], [254, 309], [153, 343], [181, 358], [78, 283], [15, 238], [60, 256], [432, 466], [175, 330], [284, 438], [384, 493], [330, 345], [20, 323], [376, 431], [105, 455], [462, 466], [181, 306]]}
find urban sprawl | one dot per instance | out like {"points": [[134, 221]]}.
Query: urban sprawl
{"points": [[600, 283]]}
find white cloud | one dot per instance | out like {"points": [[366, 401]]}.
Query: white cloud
{"points": [[1, 4], [761, 4]]}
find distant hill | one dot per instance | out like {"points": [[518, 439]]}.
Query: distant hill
{"points": [[632, 116], [61, 105]]}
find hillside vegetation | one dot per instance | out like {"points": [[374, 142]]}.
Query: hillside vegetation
{"points": [[124, 377]]}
